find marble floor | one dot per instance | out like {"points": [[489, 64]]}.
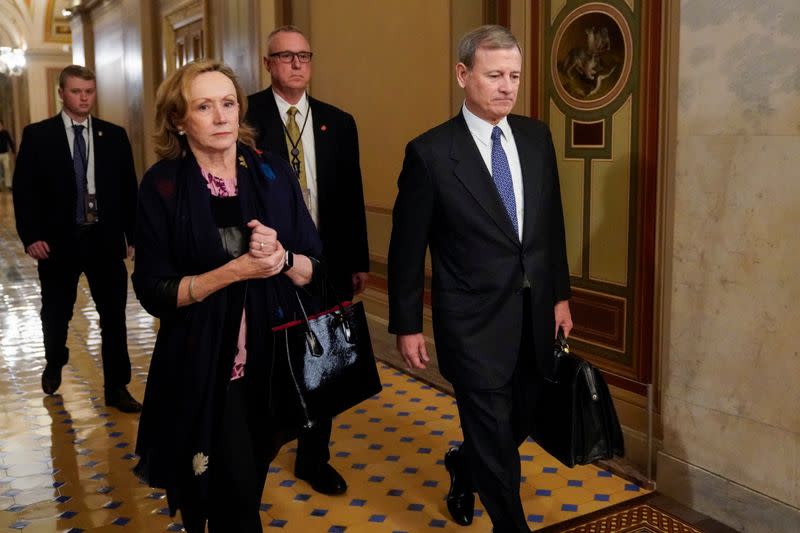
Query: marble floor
{"points": [[65, 460]]}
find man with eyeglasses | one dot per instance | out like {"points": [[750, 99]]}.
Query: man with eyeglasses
{"points": [[320, 142]]}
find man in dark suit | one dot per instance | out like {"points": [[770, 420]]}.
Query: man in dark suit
{"points": [[482, 191], [7, 149], [75, 203], [320, 141]]}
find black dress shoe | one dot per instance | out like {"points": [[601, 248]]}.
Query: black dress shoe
{"points": [[120, 398], [460, 499], [323, 479], [51, 378]]}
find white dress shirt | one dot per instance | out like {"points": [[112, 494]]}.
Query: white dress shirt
{"points": [[307, 138], [481, 131], [87, 138]]}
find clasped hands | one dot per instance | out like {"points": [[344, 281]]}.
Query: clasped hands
{"points": [[266, 255]]}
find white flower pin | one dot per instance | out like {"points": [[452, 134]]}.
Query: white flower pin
{"points": [[199, 463], [100, 133]]}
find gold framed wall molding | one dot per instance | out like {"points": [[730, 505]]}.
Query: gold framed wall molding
{"points": [[590, 60]]}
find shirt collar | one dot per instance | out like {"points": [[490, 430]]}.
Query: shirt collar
{"points": [[68, 122], [283, 106], [481, 129]]}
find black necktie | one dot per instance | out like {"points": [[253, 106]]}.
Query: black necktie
{"points": [[79, 164]]}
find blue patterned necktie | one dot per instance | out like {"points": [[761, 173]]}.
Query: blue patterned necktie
{"points": [[79, 164], [501, 174]]}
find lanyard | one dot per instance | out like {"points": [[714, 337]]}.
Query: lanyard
{"points": [[295, 152]]}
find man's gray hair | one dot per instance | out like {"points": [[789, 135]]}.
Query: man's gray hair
{"points": [[289, 28], [490, 36]]}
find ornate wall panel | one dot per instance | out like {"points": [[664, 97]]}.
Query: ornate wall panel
{"points": [[594, 87]]}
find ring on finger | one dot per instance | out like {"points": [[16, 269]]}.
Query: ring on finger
{"points": [[261, 246]]}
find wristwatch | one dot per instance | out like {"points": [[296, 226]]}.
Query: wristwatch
{"points": [[288, 261]]}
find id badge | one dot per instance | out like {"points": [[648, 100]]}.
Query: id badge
{"points": [[91, 209]]}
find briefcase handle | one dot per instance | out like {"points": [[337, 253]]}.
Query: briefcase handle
{"points": [[561, 349], [561, 345]]}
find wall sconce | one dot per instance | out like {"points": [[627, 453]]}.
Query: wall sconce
{"points": [[12, 60]]}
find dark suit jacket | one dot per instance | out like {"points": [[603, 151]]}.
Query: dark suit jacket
{"points": [[448, 202], [45, 191], [340, 196]]}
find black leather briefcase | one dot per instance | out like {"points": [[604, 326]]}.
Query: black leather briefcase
{"points": [[575, 420]]}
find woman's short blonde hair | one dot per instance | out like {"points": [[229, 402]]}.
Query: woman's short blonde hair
{"points": [[172, 107]]}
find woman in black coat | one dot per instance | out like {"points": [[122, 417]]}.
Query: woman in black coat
{"points": [[223, 241]]}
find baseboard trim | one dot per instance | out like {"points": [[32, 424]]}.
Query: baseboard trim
{"points": [[728, 502]]}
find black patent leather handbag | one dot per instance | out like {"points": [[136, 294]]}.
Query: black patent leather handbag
{"points": [[323, 365], [575, 420]]}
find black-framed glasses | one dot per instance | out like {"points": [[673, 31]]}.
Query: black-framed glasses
{"points": [[287, 57]]}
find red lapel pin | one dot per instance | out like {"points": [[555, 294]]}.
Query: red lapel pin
{"points": [[323, 127]]}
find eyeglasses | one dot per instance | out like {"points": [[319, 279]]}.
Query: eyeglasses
{"points": [[287, 56]]}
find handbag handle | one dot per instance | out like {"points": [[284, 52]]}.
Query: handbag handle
{"points": [[309, 424], [315, 347]]}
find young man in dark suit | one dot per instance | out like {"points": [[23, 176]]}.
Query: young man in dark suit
{"points": [[482, 191], [320, 141], [75, 203]]}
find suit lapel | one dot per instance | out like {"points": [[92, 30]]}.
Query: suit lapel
{"points": [[99, 148], [530, 159], [61, 144], [274, 138], [471, 170], [323, 147]]}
